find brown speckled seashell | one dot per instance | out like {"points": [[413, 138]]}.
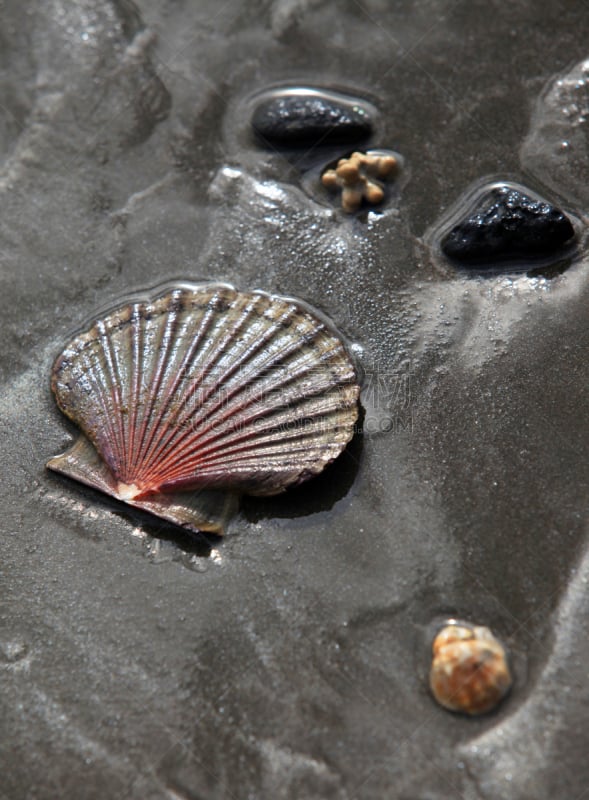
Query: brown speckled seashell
{"points": [[203, 393], [469, 671]]}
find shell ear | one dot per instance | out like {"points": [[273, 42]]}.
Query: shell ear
{"points": [[204, 510]]}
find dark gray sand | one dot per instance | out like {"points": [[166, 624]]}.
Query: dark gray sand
{"points": [[290, 660]]}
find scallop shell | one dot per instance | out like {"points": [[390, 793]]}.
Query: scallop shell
{"points": [[201, 394]]}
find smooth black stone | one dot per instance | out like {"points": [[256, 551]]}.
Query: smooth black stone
{"points": [[508, 224], [310, 119]]}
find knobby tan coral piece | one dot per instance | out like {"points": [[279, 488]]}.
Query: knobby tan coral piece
{"points": [[469, 671], [360, 177]]}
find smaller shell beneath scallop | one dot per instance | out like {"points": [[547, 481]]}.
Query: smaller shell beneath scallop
{"points": [[469, 672]]}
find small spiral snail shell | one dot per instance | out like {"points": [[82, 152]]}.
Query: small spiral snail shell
{"points": [[469, 671]]}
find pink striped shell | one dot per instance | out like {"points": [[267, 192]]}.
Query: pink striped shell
{"points": [[202, 389]]}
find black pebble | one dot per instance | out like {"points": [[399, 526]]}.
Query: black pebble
{"points": [[508, 224], [310, 119]]}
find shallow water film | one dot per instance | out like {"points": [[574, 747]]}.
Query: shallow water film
{"points": [[291, 659]]}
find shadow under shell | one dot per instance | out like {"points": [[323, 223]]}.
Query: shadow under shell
{"points": [[313, 497], [199, 510]]}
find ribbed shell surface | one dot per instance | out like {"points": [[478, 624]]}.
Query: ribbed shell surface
{"points": [[207, 386]]}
